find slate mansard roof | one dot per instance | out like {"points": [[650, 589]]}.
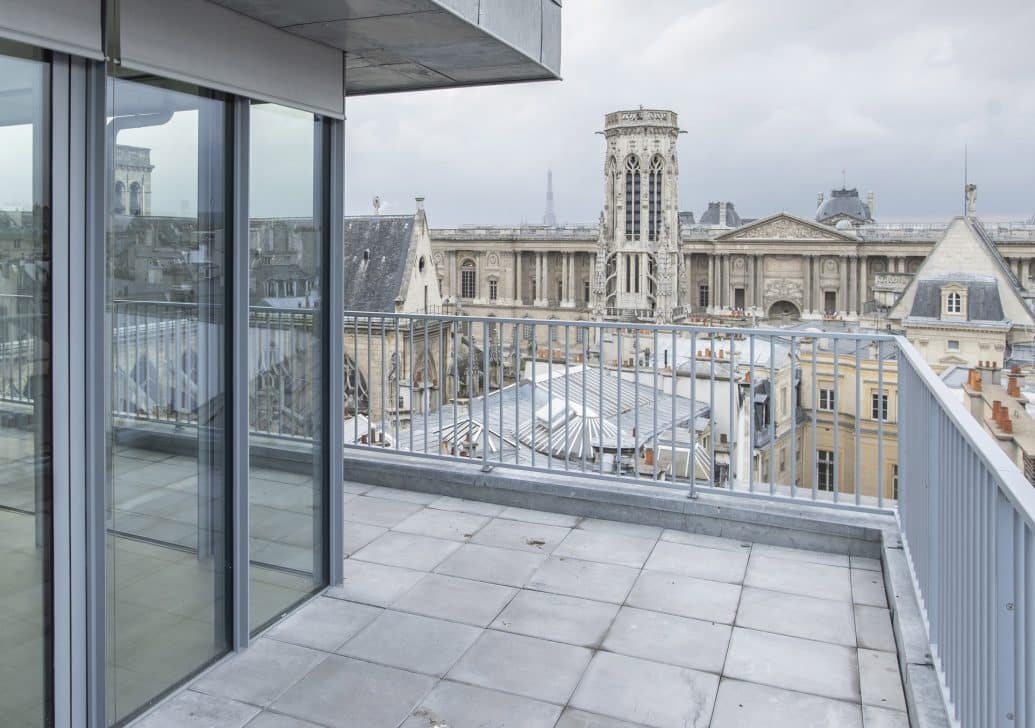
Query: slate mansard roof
{"points": [[376, 254], [712, 214], [844, 202], [983, 302]]}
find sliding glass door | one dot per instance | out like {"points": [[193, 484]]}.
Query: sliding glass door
{"points": [[284, 361], [167, 489], [25, 388]]}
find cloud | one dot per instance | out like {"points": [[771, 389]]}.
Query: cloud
{"points": [[776, 98]]}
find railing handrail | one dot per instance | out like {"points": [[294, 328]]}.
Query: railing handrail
{"points": [[1011, 480], [643, 326]]}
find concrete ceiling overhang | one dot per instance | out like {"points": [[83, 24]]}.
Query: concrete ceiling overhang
{"points": [[409, 45]]}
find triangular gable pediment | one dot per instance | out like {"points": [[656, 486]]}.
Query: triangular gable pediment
{"points": [[785, 227]]}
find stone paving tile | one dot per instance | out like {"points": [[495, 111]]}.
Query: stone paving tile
{"points": [[585, 579], [489, 563], [450, 525], [861, 562], [466, 706], [572, 718], [323, 623], [412, 642], [741, 704], [348, 693], [874, 717], [407, 550], [793, 663], [701, 539], [462, 505], [190, 709], [459, 600], [685, 596], [799, 577], [267, 719], [556, 617], [606, 547], [824, 620], [868, 588], [698, 561], [374, 583], [806, 555], [873, 628], [379, 511], [649, 693], [355, 488], [535, 668], [260, 674], [881, 680], [542, 517], [521, 535], [409, 496], [619, 528], [357, 535], [667, 638]]}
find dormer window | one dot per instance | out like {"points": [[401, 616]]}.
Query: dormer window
{"points": [[954, 301]]}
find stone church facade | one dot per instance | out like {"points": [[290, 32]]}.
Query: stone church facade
{"points": [[644, 260]]}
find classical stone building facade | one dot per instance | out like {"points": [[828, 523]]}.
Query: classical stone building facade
{"points": [[645, 261]]}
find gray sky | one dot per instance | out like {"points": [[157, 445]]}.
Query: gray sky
{"points": [[776, 98]]}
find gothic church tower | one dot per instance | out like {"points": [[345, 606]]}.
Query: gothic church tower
{"points": [[637, 260]]}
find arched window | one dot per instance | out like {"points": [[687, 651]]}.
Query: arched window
{"points": [[954, 303], [468, 279], [119, 203], [654, 199], [134, 198], [632, 198]]}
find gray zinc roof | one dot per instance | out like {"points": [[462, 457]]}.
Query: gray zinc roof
{"points": [[983, 302], [844, 202], [711, 215], [376, 251]]}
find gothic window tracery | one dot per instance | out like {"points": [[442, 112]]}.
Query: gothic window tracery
{"points": [[632, 197], [612, 194], [654, 200]]}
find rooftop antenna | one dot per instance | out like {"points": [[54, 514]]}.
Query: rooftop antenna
{"points": [[550, 217]]}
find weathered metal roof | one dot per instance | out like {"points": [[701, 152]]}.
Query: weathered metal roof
{"points": [[983, 302], [376, 252], [844, 202]]}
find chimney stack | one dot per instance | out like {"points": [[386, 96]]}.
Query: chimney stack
{"points": [[872, 204], [420, 205]]}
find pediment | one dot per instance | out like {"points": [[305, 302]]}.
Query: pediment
{"points": [[785, 227]]}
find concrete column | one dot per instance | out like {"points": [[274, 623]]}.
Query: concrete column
{"points": [[863, 275], [842, 294], [711, 280], [517, 277], [691, 283], [760, 281], [749, 293], [853, 285], [806, 275], [565, 293], [817, 291], [727, 292]]}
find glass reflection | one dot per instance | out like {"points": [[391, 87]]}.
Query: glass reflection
{"points": [[25, 434], [283, 362], [167, 576]]}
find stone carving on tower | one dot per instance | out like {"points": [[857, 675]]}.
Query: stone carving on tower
{"points": [[637, 260]]}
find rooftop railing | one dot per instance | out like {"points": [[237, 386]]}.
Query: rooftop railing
{"points": [[967, 517]]}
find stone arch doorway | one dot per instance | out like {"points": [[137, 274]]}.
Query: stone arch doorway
{"points": [[784, 311]]}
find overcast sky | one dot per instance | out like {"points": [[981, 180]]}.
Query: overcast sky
{"points": [[776, 97]]}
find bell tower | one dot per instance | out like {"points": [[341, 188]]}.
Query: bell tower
{"points": [[637, 260]]}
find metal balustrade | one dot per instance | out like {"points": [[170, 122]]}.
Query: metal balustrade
{"points": [[967, 517], [734, 410]]}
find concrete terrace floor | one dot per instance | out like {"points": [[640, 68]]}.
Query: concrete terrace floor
{"points": [[460, 614]]}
